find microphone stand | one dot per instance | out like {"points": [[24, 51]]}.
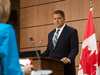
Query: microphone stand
{"points": [[36, 51], [39, 72]]}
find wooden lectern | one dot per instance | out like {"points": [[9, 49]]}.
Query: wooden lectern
{"points": [[48, 64]]}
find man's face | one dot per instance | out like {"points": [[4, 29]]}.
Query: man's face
{"points": [[58, 20]]}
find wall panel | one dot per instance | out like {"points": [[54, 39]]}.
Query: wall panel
{"points": [[77, 68], [96, 8], [40, 15], [97, 27], [76, 9], [32, 49], [26, 3], [77, 59], [35, 16], [38, 33]]}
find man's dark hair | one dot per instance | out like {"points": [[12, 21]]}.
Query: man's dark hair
{"points": [[59, 12]]}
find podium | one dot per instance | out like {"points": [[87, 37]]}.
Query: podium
{"points": [[48, 63]]}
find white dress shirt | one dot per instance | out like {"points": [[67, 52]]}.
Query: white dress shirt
{"points": [[60, 31]]}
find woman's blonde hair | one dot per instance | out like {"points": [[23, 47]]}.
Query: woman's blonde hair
{"points": [[4, 10]]}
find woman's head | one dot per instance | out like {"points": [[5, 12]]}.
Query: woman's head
{"points": [[4, 10]]}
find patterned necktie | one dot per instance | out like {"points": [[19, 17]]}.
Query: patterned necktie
{"points": [[55, 38]]}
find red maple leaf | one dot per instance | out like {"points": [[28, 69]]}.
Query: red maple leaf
{"points": [[88, 62]]}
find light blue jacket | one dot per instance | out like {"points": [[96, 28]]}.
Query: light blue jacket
{"points": [[9, 58]]}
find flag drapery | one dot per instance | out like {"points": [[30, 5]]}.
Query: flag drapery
{"points": [[89, 54]]}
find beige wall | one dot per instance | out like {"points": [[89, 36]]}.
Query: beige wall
{"points": [[36, 20]]}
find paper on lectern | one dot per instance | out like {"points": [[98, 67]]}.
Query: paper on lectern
{"points": [[24, 62]]}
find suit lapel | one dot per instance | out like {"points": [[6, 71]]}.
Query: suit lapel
{"points": [[61, 35], [51, 37]]}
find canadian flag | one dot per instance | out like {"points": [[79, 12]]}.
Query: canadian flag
{"points": [[89, 54]]}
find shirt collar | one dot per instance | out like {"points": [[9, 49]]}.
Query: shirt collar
{"points": [[61, 28]]}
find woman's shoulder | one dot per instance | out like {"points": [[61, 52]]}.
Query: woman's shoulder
{"points": [[5, 26]]}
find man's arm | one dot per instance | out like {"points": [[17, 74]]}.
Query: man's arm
{"points": [[74, 48]]}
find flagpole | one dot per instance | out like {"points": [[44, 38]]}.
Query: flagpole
{"points": [[90, 3], [91, 7], [95, 70]]}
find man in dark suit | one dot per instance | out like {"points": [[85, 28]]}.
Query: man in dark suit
{"points": [[63, 43]]}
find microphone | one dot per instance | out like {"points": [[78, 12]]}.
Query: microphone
{"points": [[32, 41], [39, 72], [36, 50], [39, 43]]}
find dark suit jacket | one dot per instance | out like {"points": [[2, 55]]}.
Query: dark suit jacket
{"points": [[67, 46]]}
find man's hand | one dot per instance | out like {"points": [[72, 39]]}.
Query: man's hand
{"points": [[65, 60]]}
